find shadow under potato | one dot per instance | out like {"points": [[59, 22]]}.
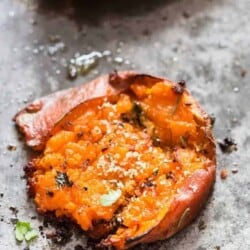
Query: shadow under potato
{"points": [[93, 11]]}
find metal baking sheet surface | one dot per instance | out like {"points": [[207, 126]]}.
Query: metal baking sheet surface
{"points": [[204, 42]]}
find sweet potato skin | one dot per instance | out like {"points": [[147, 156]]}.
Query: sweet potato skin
{"points": [[38, 119]]}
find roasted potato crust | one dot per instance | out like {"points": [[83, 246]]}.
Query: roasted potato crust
{"points": [[161, 116]]}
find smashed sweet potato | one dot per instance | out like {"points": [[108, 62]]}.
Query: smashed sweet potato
{"points": [[131, 162]]}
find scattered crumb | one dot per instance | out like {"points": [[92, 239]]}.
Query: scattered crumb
{"points": [[62, 229], [78, 247], [54, 38], [228, 145], [20, 138], [234, 170], [92, 243], [223, 174], [202, 225], [212, 119], [14, 221], [146, 32], [11, 147], [186, 14], [243, 72], [41, 230], [164, 18], [14, 210]]}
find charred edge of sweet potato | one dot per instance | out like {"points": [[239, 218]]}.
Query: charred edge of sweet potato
{"points": [[63, 225], [102, 229], [29, 170], [120, 79], [115, 79], [63, 228]]}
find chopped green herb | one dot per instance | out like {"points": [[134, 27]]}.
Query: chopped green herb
{"points": [[30, 235], [62, 180], [109, 199], [23, 231]]}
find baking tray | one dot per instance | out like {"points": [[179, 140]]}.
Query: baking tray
{"points": [[206, 43]]}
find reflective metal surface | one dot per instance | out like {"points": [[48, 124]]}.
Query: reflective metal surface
{"points": [[204, 42]]}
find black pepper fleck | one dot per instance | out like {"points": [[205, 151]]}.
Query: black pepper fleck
{"points": [[79, 134], [170, 175], [62, 180], [148, 183], [85, 163], [50, 193]]}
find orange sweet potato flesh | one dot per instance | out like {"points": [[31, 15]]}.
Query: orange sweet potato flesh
{"points": [[132, 162], [39, 117]]}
